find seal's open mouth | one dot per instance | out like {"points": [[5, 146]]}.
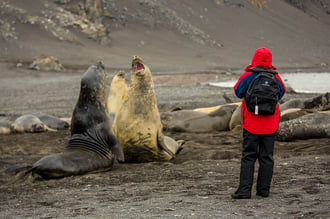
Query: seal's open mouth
{"points": [[138, 67], [137, 64]]}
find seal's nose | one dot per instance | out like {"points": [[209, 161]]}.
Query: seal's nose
{"points": [[100, 65]]}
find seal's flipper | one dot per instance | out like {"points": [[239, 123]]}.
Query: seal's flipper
{"points": [[173, 145], [162, 144]]}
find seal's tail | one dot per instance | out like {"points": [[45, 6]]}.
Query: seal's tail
{"points": [[20, 172]]}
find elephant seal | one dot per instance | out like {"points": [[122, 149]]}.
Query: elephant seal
{"points": [[117, 92], [53, 122], [312, 125], [320, 102], [169, 119], [217, 120], [235, 124], [92, 145], [293, 113], [137, 124], [30, 124]]}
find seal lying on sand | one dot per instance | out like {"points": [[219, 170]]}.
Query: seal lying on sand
{"points": [[170, 119], [52, 121], [235, 124], [312, 125], [217, 120], [320, 102], [92, 143], [293, 113], [117, 92], [30, 124], [137, 124]]}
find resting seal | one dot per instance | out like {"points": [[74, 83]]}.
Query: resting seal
{"points": [[169, 119], [92, 145], [30, 124], [235, 123], [117, 92], [53, 122], [312, 125], [320, 102], [137, 124], [293, 113], [217, 120]]}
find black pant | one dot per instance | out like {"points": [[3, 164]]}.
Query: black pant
{"points": [[261, 147]]}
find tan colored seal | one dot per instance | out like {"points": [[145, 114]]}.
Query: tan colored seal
{"points": [[137, 124], [207, 109], [235, 124], [293, 113], [117, 92]]}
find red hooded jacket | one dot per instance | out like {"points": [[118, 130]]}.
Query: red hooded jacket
{"points": [[258, 124]]}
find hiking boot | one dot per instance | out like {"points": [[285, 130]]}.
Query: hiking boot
{"points": [[264, 195], [239, 196]]}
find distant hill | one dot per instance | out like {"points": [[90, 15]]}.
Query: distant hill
{"points": [[171, 35]]}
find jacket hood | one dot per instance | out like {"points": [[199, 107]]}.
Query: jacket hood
{"points": [[262, 58]]}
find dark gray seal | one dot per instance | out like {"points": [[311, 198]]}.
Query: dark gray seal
{"points": [[92, 145], [320, 102], [312, 125], [217, 120], [53, 122]]}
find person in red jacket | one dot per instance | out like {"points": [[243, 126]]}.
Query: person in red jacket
{"points": [[259, 131]]}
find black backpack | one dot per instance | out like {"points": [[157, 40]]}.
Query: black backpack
{"points": [[262, 94]]}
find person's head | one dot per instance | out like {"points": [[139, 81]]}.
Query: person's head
{"points": [[262, 58]]}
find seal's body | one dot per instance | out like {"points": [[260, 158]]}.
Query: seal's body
{"points": [[137, 124], [170, 119], [92, 145], [312, 125], [235, 120], [217, 120], [53, 122], [117, 92], [320, 102], [29, 123]]}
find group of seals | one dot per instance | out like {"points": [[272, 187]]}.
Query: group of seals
{"points": [[92, 145], [300, 118], [216, 118], [137, 124], [137, 133]]}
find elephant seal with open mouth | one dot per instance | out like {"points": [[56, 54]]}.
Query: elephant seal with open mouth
{"points": [[137, 124]]}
